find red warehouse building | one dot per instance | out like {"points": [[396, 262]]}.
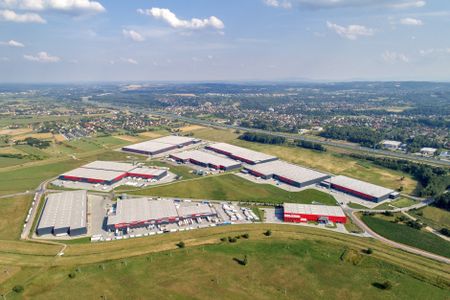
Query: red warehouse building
{"points": [[296, 213]]}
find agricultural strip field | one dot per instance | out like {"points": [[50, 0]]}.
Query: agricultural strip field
{"points": [[408, 236], [12, 215], [230, 187], [294, 262], [325, 161]]}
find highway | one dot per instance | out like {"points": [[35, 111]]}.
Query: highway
{"points": [[299, 137]]}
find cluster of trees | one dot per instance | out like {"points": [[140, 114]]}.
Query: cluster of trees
{"points": [[443, 201], [363, 136], [262, 138], [433, 180], [34, 142], [310, 145]]}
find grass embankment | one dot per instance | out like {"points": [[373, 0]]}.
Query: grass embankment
{"points": [[277, 268], [407, 235], [12, 215], [435, 217], [182, 171], [230, 187], [331, 161]]}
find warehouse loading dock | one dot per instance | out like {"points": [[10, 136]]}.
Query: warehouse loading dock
{"points": [[360, 189], [161, 145], [286, 172], [64, 214], [206, 159], [242, 154], [297, 213]]}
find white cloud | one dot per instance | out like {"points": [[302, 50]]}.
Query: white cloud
{"points": [[129, 60], [11, 16], [277, 3], [75, 6], [434, 51], [42, 57], [323, 4], [351, 32], [169, 17], [133, 35], [394, 57], [13, 43], [411, 22]]}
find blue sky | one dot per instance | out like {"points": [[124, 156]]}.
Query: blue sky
{"points": [[195, 40]]}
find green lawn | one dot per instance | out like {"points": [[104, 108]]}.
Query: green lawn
{"points": [[12, 215], [409, 236], [356, 205], [180, 170], [403, 202], [276, 269], [233, 188], [384, 206]]}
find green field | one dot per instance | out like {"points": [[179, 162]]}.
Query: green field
{"points": [[12, 215], [356, 206], [331, 161], [233, 188], [403, 202], [276, 269], [180, 170], [433, 216], [407, 235]]}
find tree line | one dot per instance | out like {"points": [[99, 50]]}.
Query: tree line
{"points": [[262, 138]]}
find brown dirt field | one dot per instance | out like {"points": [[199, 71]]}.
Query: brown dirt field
{"points": [[60, 138], [150, 134], [128, 138], [18, 131], [191, 127], [47, 135]]}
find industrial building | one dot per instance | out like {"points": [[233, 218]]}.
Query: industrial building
{"points": [[390, 145], [287, 173], [142, 212], [64, 213], [108, 172], [241, 154], [206, 159], [161, 145], [296, 213], [361, 189]]}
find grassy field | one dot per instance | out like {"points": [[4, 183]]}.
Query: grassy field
{"points": [[329, 161], [12, 215], [180, 170], [356, 205], [403, 202], [276, 269], [409, 236], [233, 188], [433, 216]]}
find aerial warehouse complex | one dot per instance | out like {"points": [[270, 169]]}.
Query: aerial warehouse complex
{"points": [[142, 212], [241, 154], [108, 172], [161, 145], [288, 173], [296, 213], [206, 159], [361, 189], [64, 214]]}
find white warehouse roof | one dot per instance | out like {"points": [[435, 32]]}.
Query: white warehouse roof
{"points": [[161, 144], [93, 174], [244, 153], [287, 170], [206, 158], [360, 186], [64, 210], [317, 210], [110, 166]]}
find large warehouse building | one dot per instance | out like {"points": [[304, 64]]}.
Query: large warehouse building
{"points": [[358, 188], [161, 145], [206, 159], [296, 213], [64, 213], [108, 172], [287, 173], [141, 212], [242, 154]]}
